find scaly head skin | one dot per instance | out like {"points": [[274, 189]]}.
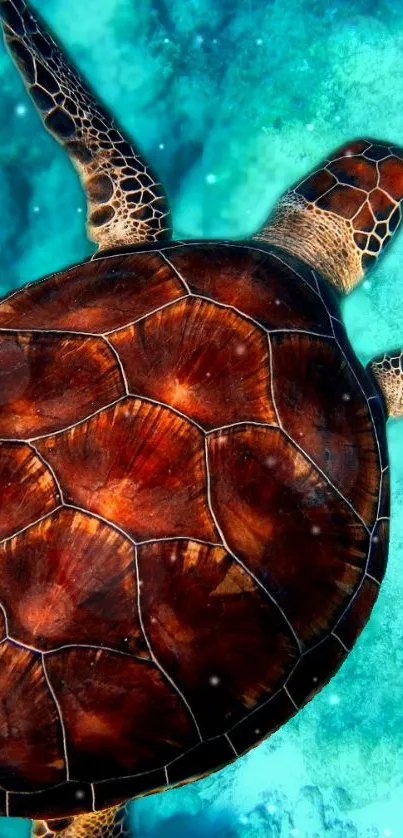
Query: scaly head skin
{"points": [[340, 217]]}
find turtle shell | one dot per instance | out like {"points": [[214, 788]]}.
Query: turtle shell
{"points": [[194, 516]]}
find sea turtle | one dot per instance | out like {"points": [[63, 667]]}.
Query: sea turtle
{"points": [[193, 472]]}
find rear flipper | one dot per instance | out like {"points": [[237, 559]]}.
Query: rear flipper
{"points": [[387, 370], [109, 823]]}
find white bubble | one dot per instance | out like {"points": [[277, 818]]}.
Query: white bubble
{"points": [[259, 41], [214, 681], [366, 284], [315, 679], [316, 530], [36, 208], [270, 461], [211, 178], [387, 831], [271, 809], [21, 110], [310, 126], [240, 349], [334, 700], [346, 397], [166, 40], [79, 209], [257, 731], [79, 794], [337, 119]]}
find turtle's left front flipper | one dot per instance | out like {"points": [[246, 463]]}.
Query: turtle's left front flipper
{"points": [[387, 370], [126, 204]]}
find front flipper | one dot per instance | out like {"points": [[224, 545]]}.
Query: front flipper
{"points": [[387, 370], [109, 823], [125, 203]]}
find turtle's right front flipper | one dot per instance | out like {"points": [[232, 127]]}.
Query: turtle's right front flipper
{"points": [[125, 203]]}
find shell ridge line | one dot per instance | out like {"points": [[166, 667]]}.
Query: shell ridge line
{"points": [[271, 371], [90, 514], [250, 573], [50, 470], [213, 301], [142, 317], [60, 715], [22, 645], [71, 333], [325, 477], [302, 450], [364, 575], [218, 304], [233, 748], [372, 578], [153, 656], [166, 538], [287, 692], [119, 362], [334, 634], [91, 646], [32, 524], [166, 406], [300, 332], [330, 316], [175, 270], [74, 424], [287, 678], [374, 425], [243, 422], [4, 612]]}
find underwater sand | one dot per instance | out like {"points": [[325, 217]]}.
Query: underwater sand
{"points": [[232, 100]]}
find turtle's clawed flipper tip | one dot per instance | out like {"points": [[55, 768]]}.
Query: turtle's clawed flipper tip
{"points": [[126, 204]]}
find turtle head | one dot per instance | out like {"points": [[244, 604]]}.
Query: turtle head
{"points": [[340, 217]]}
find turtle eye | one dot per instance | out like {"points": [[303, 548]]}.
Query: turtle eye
{"points": [[362, 184]]}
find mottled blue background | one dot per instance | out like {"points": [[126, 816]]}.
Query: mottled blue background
{"points": [[233, 100]]}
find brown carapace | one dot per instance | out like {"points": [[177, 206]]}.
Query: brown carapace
{"points": [[193, 477]]}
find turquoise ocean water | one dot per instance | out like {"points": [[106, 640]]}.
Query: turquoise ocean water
{"points": [[232, 100]]}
